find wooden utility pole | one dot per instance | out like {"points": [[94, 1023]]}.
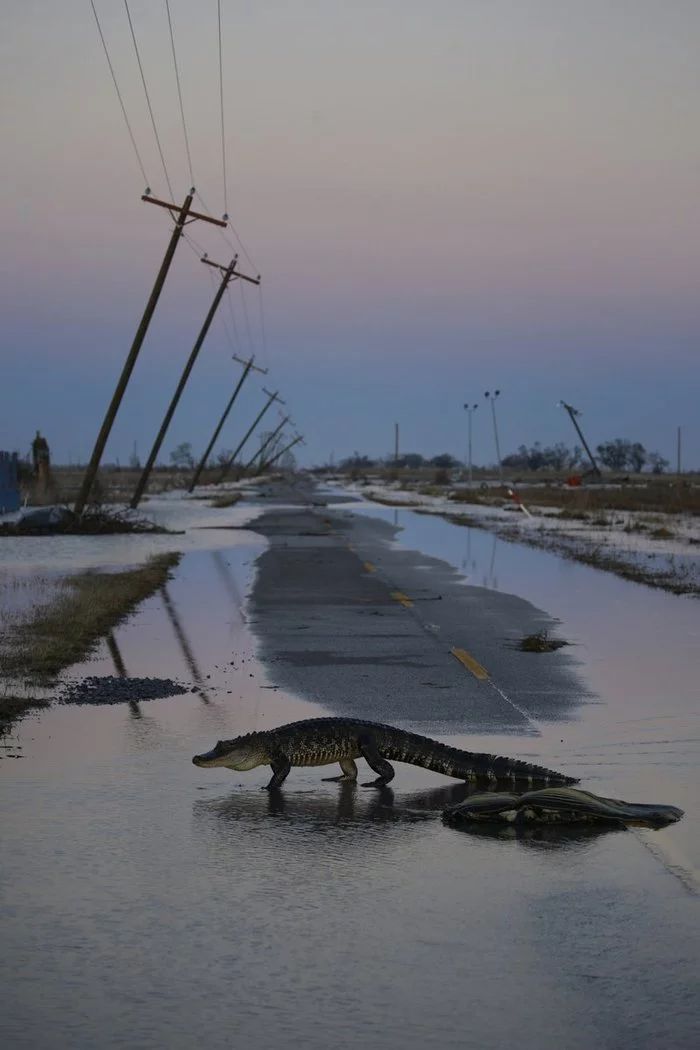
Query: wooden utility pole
{"points": [[248, 366], [232, 458], [182, 215], [229, 273], [678, 452], [396, 446], [268, 441], [278, 455], [573, 413]]}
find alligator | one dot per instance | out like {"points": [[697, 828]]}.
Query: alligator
{"points": [[558, 805], [321, 741]]}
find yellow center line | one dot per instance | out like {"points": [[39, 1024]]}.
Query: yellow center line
{"points": [[404, 599], [470, 663], [369, 567]]}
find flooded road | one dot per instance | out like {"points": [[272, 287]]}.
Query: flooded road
{"points": [[148, 903]]}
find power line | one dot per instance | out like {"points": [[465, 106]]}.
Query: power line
{"points": [[262, 326], [221, 101], [229, 299], [247, 322], [148, 99], [179, 92], [228, 240], [119, 96]]}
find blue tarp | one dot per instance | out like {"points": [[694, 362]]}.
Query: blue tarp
{"points": [[9, 483]]}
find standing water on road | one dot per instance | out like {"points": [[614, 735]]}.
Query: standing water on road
{"points": [[148, 903]]}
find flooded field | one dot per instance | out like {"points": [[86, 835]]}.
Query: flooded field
{"points": [[148, 903]]}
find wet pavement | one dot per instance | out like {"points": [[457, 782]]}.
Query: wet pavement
{"points": [[148, 903]]}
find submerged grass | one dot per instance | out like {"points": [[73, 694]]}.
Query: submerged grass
{"points": [[226, 499], [68, 629], [540, 643], [13, 707]]}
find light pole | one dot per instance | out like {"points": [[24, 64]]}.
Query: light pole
{"points": [[470, 409], [492, 398]]}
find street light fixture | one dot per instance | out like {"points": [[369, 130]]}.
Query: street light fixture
{"points": [[470, 409], [492, 398]]}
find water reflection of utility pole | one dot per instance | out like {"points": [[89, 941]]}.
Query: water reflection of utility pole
{"points": [[229, 582], [119, 665], [120, 668], [490, 580], [185, 647], [467, 559]]}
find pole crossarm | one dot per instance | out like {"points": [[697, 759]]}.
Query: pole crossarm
{"points": [[256, 368], [243, 276], [173, 207]]}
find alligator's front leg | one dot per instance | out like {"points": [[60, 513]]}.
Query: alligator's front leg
{"points": [[368, 750], [349, 775], [280, 766]]}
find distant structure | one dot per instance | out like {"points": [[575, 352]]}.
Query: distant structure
{"points": [[41, 463], [40, 452]]}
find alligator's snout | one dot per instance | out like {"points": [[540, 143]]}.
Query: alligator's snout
{"points": [[206, 758]]}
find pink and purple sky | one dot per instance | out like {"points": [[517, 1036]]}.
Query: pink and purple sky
{"points": [[441, 198]]}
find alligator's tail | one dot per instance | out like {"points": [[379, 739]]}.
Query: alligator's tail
{"points": [[467, 765]]}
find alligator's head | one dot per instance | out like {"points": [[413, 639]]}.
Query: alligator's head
{"points": [[245, 752]]}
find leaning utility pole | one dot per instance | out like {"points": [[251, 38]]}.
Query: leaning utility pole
{"points": [[232, 458], [248, 366], [573, 413], [183, 213], [265, 444], [229, 273], [278, 455]]}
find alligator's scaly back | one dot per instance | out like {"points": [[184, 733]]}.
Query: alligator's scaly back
{"points": [[320, 741], [401, 746]]}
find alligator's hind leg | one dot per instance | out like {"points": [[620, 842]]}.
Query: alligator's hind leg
{"points": [[280, 766], [369, 752], [349, 774]]}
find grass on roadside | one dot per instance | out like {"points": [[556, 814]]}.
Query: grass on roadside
{"points": [[68, 629]]}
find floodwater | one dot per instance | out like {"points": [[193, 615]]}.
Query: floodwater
{"points": [[148, 903], [637, 648]]}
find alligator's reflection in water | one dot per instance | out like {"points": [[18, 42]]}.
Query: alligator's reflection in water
{"points": [[556, 836], [349, 805], [352, 806]]}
